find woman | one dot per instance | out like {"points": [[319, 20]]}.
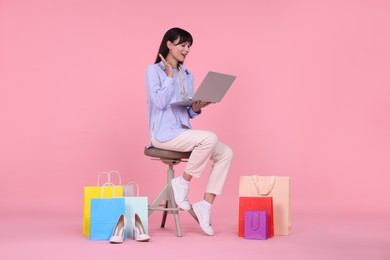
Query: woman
{"points": [[168, 81]]}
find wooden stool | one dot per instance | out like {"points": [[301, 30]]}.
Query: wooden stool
{"points": [[170, 158]]}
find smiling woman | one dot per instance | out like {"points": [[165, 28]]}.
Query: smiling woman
{"points": [[177, 43], [311, 101], [167, 81]]}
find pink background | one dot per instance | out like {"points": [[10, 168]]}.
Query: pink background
{"points": [[311, 100]]}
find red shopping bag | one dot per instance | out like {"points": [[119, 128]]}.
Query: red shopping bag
{"points": [[255, 203]]}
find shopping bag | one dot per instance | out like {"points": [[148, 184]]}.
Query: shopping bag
{"points": [[255, 203], [135, 204], [98, 192], [277, 187], [256, 224], [104, 216]]}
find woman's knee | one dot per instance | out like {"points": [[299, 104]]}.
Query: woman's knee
{"points": [[212, 139], [224, 152], [228, 152]]}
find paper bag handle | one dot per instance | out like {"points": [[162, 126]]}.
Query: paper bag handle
{"points": [[109, 177], [271, 184], [108, 184], [117, 173], [134, 184], [258, 222], [100, 175]]}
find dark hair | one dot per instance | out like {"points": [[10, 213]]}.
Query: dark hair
{"points": [[172, 35]]}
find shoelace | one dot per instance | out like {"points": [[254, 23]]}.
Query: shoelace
{"points": [[209, 219], [185, 198]]}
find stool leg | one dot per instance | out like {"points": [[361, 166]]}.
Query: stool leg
{"points": [[164, 219], [171, 200], [172, 204], [163, 195]]}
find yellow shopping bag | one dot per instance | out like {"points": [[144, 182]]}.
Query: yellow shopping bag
{"points": [[98, 192]]}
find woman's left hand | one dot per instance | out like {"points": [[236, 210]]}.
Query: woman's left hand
{"points": [[197, 105]]}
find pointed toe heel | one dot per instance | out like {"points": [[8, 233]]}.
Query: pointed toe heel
{"points": [[139, 233], [118, 234]]}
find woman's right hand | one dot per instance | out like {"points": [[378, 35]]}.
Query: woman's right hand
{"points": [[167, 66]]}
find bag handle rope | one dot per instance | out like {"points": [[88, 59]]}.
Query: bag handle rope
{"points": [[252, 221], [271, 185]]}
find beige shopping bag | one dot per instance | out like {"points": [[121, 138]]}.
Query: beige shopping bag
{"points": [[277, 187]]}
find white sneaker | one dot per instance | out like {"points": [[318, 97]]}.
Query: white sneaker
{"points": [[204, 218], [180, 193]]}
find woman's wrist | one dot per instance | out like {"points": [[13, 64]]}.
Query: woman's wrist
{"points": [[198, 112]]}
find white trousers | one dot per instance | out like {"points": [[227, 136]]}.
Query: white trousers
{"points": [[204, 146]]}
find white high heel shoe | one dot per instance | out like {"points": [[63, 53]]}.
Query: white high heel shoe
{"points": [[118, 234], [139, 233]]}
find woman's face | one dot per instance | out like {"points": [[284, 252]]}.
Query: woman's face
{"points": [[179, 51]]}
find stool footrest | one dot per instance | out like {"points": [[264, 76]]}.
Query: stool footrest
{"points": [[165, 209]]}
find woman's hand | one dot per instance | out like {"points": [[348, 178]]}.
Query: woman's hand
{"points": [[167, 66], [197, 105]]}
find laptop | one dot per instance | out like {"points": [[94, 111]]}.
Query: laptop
{"points": [[212, 89]]}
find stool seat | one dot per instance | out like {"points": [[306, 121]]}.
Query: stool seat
{"points": [[166, 154]]}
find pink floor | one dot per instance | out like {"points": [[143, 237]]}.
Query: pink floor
{"points": [[316, 235]]}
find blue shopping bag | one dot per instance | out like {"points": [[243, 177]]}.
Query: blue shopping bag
{"points": [[104, 215]]}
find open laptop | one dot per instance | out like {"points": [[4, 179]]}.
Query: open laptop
{"points": [[212, 89]]}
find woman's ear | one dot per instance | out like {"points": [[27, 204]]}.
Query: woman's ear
{"points": [[169, 45]]}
